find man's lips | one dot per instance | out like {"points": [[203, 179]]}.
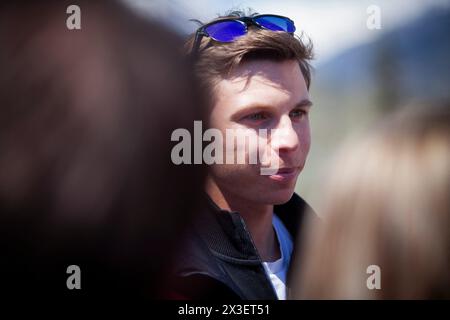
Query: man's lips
{"points": [[285, 174]]}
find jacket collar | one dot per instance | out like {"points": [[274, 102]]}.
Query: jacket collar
{"points": [[227, 237]]}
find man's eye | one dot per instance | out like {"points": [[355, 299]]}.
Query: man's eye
{"points": [[260, 116], [297, 113]]}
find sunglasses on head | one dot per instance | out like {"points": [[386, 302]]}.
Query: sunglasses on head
{"points": [[228, 29]]}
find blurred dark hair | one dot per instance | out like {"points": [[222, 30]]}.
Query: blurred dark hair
{"points": [[86, 176]]}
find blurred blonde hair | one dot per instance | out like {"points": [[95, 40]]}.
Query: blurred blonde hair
{"points": [[386, 204]]}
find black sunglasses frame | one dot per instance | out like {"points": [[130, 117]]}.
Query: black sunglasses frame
{"points": [[246, 21]]}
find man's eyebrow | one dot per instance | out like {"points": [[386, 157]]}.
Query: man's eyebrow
{"points": [[263, 106], [304, 103]]}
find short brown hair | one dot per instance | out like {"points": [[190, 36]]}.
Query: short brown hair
{"points": [[216, 60]]}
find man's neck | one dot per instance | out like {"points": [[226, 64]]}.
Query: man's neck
{"points": [[257, 218]]}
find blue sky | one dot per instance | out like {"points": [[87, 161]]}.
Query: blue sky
{"points": [[332, 25]]}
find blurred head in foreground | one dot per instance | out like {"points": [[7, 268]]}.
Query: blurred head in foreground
{"points": [[86, 176], [386, 205]]}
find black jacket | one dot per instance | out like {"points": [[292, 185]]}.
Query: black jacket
{"points": [[218, 259]]}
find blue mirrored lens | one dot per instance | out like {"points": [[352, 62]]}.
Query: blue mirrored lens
{"points": [[226, 31], [276, 23]]}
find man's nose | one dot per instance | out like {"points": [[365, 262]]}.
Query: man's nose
{"points": [[284, 137]]}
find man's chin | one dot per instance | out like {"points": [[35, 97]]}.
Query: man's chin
{"points": [[278, 197]]}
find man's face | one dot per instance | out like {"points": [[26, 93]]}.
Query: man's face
{"points": [[270, 95]]}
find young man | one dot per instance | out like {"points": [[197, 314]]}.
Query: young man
{"points": [[258, 76]]}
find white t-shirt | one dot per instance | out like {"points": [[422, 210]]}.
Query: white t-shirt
{"points": [[277, 270]]}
